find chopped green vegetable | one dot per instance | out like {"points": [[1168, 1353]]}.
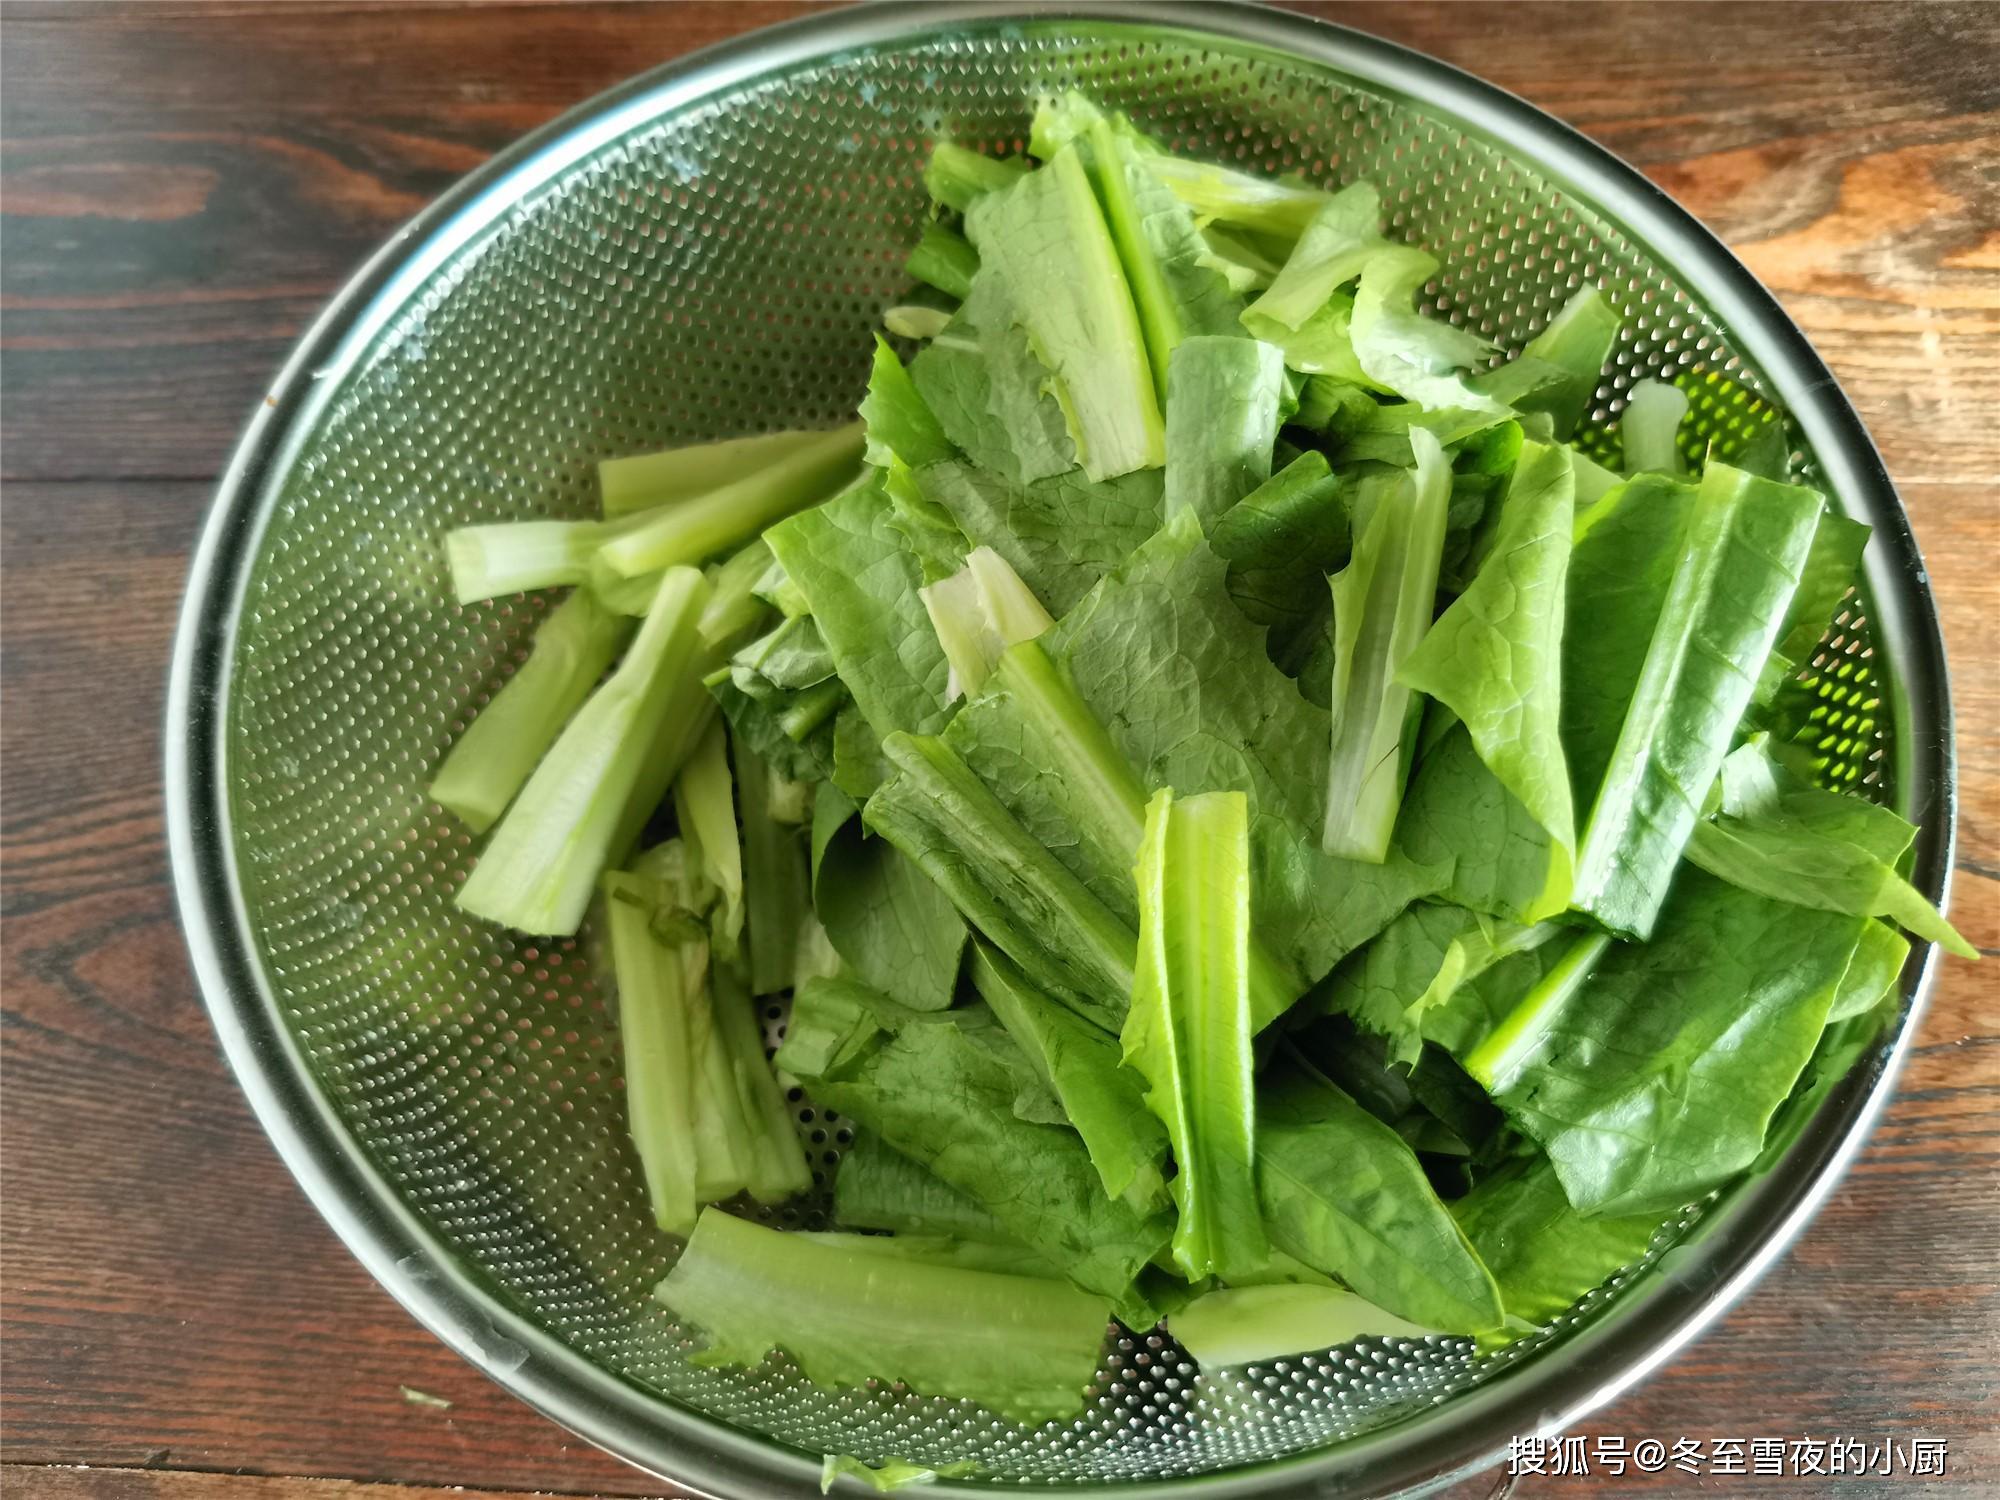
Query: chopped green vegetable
{"points": [[1382, 604], [656, 984], [1544, 1254], [1745, 542], [1494, 657], [944, 1091], [513, 557], [1342, 1193], [879, 1188], [1561, 366], [1005, 883], [1403, 351], [1221, 424], [537, 872], [498, 751], [957, 177], [912, 320], [649, 479], [945, 259], [898, 423], [1046, 237], [1650, 428], [1649, 1072], [705, 809], [1188, 1031], [1175, 290], [1248, 1325], [1802, 845], [978, 612], [695, 529], [888, 921], [849, 1314], [775, 886], [1081, 1065]]}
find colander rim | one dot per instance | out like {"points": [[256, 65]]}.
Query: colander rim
{"points": [[1739, 1238]]}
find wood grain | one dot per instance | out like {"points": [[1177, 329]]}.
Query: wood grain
{"points": [[182, 186]]}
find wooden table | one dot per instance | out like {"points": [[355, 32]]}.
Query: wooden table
{"points": [[184, 185]]}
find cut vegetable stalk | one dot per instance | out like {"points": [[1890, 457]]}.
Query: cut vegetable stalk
{"points": [[850, 1314], [978, 612], [777, 1167], [705, 810], [645, 480], [696, 529], [1002, 880], [1046, 237], [537, 873], [945, 259], [514, 557], [499, 749], [1382, 603], [1252, 1324], [1189, 1028], [733, 610], [1650, 428], [659, 1049], [957, 177], [1742, 551], [1106, 801], [777, 895]]}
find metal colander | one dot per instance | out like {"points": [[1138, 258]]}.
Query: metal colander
{"points": [[706, 252]]}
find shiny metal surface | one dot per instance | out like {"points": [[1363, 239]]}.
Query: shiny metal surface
{"points": [[703, 252]]}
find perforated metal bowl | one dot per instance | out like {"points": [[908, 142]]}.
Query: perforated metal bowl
{"points": [[703, 252]]}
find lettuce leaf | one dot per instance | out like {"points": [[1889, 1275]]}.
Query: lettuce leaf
{"points": [[1081, 1064], [1494, 656], [1739, 558], [894, 928], [1403, 351], [1558, 371], [1792, 842], [1222, 420], [1177, 293], [1005, 883], [898, 424], [1344, 1194], [1046, 237], [988, 391], [878, 1187], [1649, 1072], [1281, 541], [1252, 1324], [849, 1314], [1543, 1254], [946, 1100], [862, 582], [1061, 533]]}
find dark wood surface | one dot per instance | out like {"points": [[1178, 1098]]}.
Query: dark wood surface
{"points": [[182, 186]]}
